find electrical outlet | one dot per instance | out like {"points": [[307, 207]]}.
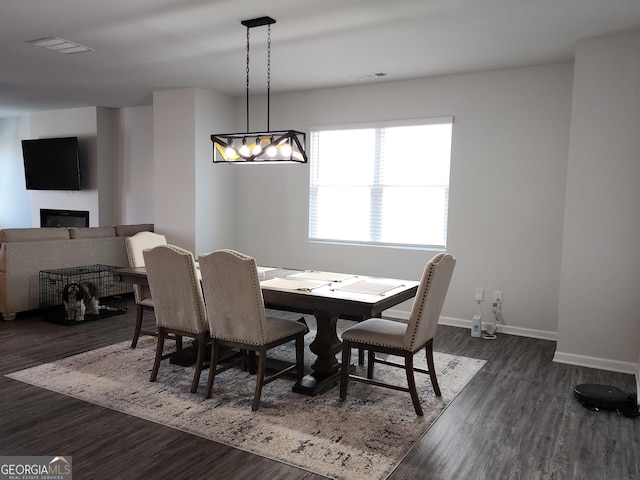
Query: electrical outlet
{"points": [[479, 296], [497, 296]]}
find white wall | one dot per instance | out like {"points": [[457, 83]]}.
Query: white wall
{"points": [[94, 127], [133, 202], [193, 201], [599, 311], [215, 185], [15, 199], [174, 165], [508, 175], [116, 150], [107, 164]]}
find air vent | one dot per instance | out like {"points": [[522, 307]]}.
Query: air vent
{"points": [[60, 45], [364, 76]]}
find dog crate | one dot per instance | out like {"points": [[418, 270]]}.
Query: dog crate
{"points": [[102, 296]]}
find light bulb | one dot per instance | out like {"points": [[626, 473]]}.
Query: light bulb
{"points": [[244, 150], [286, 150], [257, 150], [271, 150], [230, 152]]}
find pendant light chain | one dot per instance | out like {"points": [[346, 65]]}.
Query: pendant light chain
{"points": [[247, 79], [268, 75]]}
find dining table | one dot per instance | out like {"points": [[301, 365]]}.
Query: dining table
{"points": [[327, 296]]}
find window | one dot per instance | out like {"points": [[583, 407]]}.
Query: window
{"points": [[381, 185]]}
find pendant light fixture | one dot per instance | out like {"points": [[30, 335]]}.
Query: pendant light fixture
{"points": [[261, 147]]}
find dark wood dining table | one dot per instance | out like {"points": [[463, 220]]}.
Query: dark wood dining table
{"points": [[326, 295]]}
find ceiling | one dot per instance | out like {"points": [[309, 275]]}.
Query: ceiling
{"points": [[142, 46]]}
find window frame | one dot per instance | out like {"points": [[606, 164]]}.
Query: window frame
{"points": [[376, 184]]}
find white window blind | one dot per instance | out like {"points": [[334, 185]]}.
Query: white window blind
{"points": [[381, 185]]}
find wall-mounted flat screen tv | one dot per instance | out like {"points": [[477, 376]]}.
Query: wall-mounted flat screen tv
{"points": [[51, 164]]}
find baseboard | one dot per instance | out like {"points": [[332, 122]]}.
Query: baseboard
{"points": [[463, 323], [559, 357], [595, 362], [506, 329]]}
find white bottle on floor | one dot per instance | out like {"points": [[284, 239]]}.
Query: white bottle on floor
{"points": [[476, 326]]}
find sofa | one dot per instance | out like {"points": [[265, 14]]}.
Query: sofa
{"points": [[24, 252]]}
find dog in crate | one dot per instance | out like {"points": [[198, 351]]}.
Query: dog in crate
{"points": [[80, 299]]}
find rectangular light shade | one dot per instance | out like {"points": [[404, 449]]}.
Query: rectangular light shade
{"points": [[260, 147]]}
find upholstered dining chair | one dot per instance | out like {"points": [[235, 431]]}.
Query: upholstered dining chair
{"points": [[178, 303], [237, 317], [377, 335], [135, 245]]}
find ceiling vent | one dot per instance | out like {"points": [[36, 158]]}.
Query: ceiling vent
{"points": [[363, 76], [60, 45]]}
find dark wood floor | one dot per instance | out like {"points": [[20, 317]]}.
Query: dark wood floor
{"points": [[517, 419]]}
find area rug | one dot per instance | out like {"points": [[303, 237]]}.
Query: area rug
{"points": [[364, 437]]}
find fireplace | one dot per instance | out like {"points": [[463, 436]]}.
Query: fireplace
{"points": [[63, 218]]}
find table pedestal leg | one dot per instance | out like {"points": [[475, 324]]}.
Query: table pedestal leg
{"points": [[326, 369]]}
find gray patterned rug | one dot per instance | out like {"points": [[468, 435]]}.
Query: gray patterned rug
{"points": [[364, 437]]}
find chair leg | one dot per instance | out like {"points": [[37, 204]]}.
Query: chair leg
{"points": [[344, 372], [411, 382], [431, 367], [136, 332], [202, 341], [360, 356], [159, 348], [245, 360], [262, 367], [213, 364], [252, 362], [371, 359], [300, 357]]}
